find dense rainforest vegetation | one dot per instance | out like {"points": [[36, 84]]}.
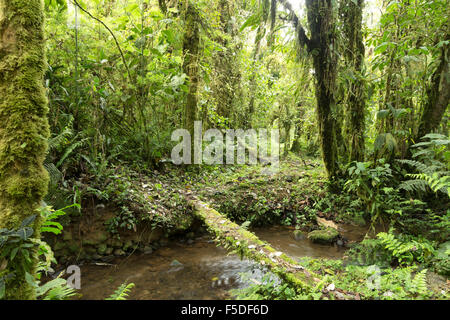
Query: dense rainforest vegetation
{"points": [[92, 91]]}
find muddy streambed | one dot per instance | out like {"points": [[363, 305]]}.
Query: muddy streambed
{"points": [[199, 270]]}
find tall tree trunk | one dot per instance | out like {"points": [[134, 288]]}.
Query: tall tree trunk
{"points": [[322, 47], [296, 145], [253, 85], [351, 13], [225, 64], [190, 65], [162, 6], [305, 81], [287, 128], [438, 96], [23, 125]]}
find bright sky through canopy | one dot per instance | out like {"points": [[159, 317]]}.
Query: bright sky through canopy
{"points": [[371, 9]]}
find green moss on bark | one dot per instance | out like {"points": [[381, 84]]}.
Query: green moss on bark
{"points": [[438, 95], [226, 72], [190, 65], [354, 51], [23, 123], [321, 45]]}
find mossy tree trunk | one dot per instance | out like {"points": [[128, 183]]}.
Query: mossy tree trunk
{"points": [[190, 65], [323, 50], [225, 63], [438, 96], [301, 107], [351, 13], [287, 124], [321, 46], [162, 6], [23, 123], [256, 58], [296, 144]]}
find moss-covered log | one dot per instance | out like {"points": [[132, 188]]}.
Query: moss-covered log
{"points": [[23, 124], [247, 244]]}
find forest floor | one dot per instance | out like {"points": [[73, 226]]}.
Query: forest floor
{"points": [[294, 196]]}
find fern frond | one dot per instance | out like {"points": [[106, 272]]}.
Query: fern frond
{"points": [[414, 186], [54, 173], [406, 250], [435, 182], [122, 292], [56, 289], [60, 139], [419, 166], [69, 150], [419, 283], [435, 136]]}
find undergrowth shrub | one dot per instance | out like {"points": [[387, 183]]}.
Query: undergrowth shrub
{"points": [[392, 249]]}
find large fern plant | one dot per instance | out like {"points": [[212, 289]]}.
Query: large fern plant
{"points": [[430, 162], [407, 249]]}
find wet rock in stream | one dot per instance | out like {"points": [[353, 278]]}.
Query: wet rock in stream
{"points": [[148, 250], [324, 236], [176, 263]]}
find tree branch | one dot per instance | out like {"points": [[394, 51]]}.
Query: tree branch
{"points": [[302, 37], [112, 34], [162, 6]]}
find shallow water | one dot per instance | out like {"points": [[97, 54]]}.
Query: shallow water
{"points": [[207, 272], [201, 271], [282, 239]]}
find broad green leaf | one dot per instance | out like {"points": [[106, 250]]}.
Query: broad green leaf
{"points": [[28, 221]]}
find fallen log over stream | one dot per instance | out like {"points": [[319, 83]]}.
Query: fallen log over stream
{"points": [[245, 243], [248, 245]]}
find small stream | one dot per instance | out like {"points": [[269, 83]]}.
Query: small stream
{"points": [[197, 271]]}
